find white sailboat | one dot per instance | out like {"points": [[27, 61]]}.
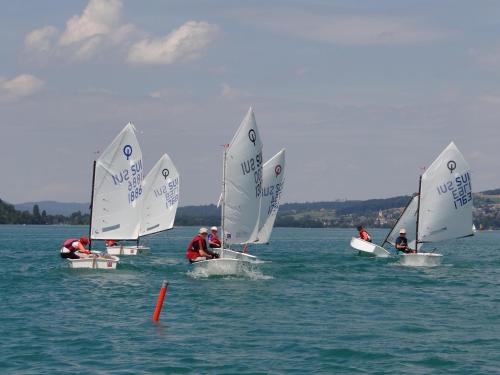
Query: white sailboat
{"points": [[160, 198], [444, 205], [273, 181], [117, 190], [407, 220], [241, 195], [369, 248], [116, 194]]}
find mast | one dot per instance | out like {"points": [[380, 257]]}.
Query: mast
{"points": [[91, 205], [418, 211], [223, 209], [397, 221]]}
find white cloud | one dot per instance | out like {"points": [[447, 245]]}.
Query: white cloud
{"points": [[100, 17], [41, 39], [96, 29], [347, 29], [100, 28], [19, 86], [183, 44]]}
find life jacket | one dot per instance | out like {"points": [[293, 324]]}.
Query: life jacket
{"points": [[68, 244], [364, 235], [193, 250], [213, 237]]}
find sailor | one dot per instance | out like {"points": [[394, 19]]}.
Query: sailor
{"points": [[197, 249], [363, 234], [213, 240], [110, 243], [401, 243], [73, 246]]}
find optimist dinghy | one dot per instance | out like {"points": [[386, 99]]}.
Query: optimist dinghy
{"points": [[444, 205], [117, 193], [240, 200], [407, 219], [160, 190]]}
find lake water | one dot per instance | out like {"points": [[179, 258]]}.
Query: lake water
{"points": [[314, 307]]}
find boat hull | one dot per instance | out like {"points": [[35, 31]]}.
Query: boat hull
{"points": [[421, 259], [221, 267], [126, 250], [107, 262], [232, 254], [369, 249]]}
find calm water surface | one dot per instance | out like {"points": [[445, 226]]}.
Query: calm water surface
{"points": [[314, 307]]}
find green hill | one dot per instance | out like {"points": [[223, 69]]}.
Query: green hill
{"points": [[348, 213]]}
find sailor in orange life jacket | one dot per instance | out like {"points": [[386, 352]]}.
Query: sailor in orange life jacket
{"points": [[110, 243], [72, 246], [363, 234], [213, 240], [197, 249]]}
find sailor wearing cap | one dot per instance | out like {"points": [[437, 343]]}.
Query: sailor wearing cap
{"points": [[213, 239], [401, 243], [197, 249]]}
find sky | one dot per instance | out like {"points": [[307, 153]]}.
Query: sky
{"points": [[362, 95]]}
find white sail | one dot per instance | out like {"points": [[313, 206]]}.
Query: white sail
{"points": [[160, 197], [273, 179], [243, 183], [446, 198], [117, 189], [408, 221]]}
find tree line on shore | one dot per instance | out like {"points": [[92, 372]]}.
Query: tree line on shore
{"points": [[339, 214]]}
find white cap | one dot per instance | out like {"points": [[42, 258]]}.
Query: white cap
{"points": [[203, 230], [213, 228], [402, 231]]}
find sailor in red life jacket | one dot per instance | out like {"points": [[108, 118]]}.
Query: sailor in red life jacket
{"points": [[197, 249], [213, 240], [73, 246], [363, 234], [110, 243]]}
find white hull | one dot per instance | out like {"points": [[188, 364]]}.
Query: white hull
{"points": [[126, 250], [221, 267], [231, 254], [421, 260], [107, 262], [368, 248]]}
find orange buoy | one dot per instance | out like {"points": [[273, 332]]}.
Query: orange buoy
{"points": [[159, 303]]}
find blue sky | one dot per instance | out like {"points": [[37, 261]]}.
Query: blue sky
{"points": [[361, 94]]}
